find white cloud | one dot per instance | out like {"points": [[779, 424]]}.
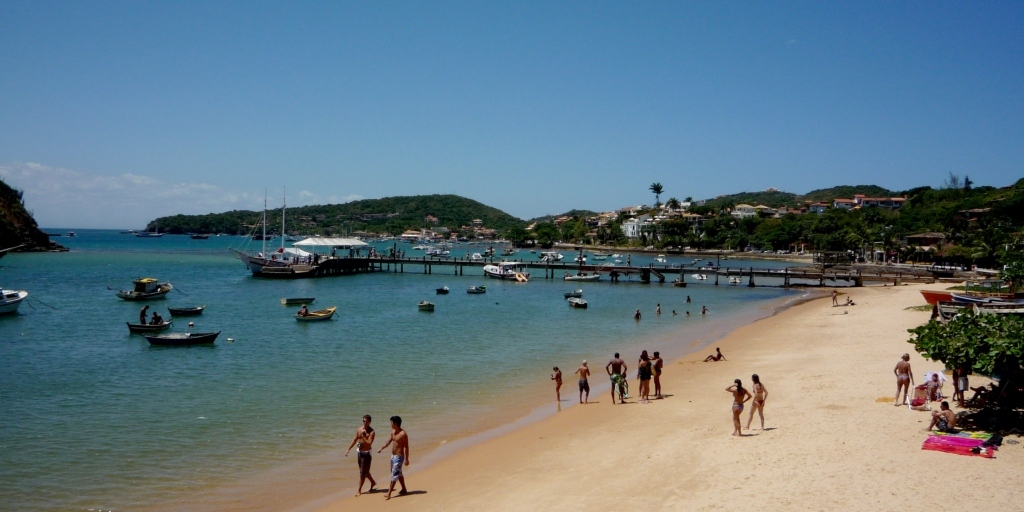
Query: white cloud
{"points": [[67, 198]]}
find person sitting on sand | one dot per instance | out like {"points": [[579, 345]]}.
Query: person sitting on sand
{"points": [[934, 388], [760, 395], [584, 372], [717, 356], [557, 377], [904, 378], [849, 302], [943, 420], [303, 311], [739, 397]]}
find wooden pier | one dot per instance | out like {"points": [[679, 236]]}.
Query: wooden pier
{"points": [[645, 274]]}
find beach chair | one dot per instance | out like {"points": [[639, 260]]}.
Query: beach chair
{"points": [[919, 400]]}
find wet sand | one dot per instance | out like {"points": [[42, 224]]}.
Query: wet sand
{"points": [[832, 440]]}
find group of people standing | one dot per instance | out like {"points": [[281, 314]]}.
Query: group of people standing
{"points": [[740, 396], [648, 369], [399, 442]]}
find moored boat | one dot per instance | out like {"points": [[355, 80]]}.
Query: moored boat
{"points": [[998, 309], [146, 288], [933, 297], [476, 289], [551, 256], [577, 303], [510, 270], [289, 272], [196, 236], [679, 282], [148, 327], [316, 316], [295, 301], [574, 294], [582, 276], [10, 300], [425, 306], [183, 338], [443, 290], [193, 311], [700, 277]]}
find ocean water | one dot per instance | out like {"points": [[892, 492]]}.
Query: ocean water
{"points": [[94, 418]]}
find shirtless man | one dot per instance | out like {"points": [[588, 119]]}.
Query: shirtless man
{"points": [[717, 356], [364, 436], [943, 420], [584, 372], [617, 369], [557, 377], [835, 296], [143, 315], [904, 378], [399, 455]]}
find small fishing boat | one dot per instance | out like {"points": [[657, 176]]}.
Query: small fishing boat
{"points": [[599, 256], [443, 290], [193, 311], [616, 255], [10, 300], [933, 297], [551, 256], [582, 276], [998, 309], [476, 289], [148, 327], [295, 301], [316, 316], [425, 306], [574, 294], [948, 310], [72, 233], [679, 282], [700, 277], [735, 280], [508, 251], [183, 338], [146, 288], [577, 303], [476, 257], [196, 236], [580, 259]]}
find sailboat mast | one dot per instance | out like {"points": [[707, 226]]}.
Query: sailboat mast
{"points": [[284, 205], [264, 223]]}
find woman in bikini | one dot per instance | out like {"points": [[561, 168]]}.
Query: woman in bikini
{"points": [[643, 374], [760, 394], [739, 397]]}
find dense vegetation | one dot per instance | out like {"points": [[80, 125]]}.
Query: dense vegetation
{"points": [[391, 215], [17, 227], [776, 198], [571, 213]]}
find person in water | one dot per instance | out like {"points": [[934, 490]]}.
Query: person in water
{"points": [[904, 378], [557, 377], [760, 395], [303, 311], [687, 299], [364, 456], [399, 455], [657, 364], [617, 369], [717, 356], [703, 310], [643, 374], [658, 309], [584, 372], [636, 316], [739, 397]]}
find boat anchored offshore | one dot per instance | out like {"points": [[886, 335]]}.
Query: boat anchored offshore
{"points": [[582, 276], [577, 303], [193, 311], [10, 300], [183, 338], [148, 327], [146, 288], [574, 294], [443, 290], [476, 289], [426, 306], [295, 301], [316, 316]]}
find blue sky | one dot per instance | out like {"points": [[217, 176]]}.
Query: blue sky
{"points": [[112, 113]]}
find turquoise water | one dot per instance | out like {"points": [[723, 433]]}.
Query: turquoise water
{"points": [[94, 418]]}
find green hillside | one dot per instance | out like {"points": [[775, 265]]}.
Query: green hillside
{"points": [[571, 213], [386, 215], [17, 227], [777, 198]]}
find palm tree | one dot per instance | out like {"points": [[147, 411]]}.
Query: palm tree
{"points": [[657, 189], [673, 203]]}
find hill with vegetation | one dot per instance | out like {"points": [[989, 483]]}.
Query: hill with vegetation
{"points": [[571, 214], [17, 227], [777, 198], [388, 215]]}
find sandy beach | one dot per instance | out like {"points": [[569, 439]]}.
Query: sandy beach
{"points": [[833, 438]]}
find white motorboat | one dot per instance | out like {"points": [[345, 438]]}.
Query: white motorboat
{"points": [[582, 276], [580, 259], [700, 277], [419, 247], [578, 293], [551, 256], [599, 256], [509, 270], [577, 302], [476, 257], [10, 300], [661, 259], [735, 280]]}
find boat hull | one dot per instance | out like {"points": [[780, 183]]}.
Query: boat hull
{"points": [[317, 316], [140, 328], [10, 304], [934, 296], [196, 311], [295, 301], [594, 277], [426, 306], [577, 303], [160, 293], [183, 338]]}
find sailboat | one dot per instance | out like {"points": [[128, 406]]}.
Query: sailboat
{"points": [[149, 234], [280, 258]]}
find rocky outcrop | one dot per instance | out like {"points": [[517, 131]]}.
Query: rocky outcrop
{"points": [[17, 227]]}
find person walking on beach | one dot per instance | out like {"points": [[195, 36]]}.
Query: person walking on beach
{"points": [[657, 363], [399, 455], [143, 314], [584, 372], [717, 356], [760, 394], [643, 374], [557, 377], [835, 298], [739, 397], [904, 378], [364, 436], [617, 369]]}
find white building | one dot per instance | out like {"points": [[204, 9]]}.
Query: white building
{"points": [[632, 228], [744, 211]]}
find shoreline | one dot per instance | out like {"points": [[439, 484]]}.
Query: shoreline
{"points": [[842, 435]]}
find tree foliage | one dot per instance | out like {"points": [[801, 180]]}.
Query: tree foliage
{"points": [[988, 344]]}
